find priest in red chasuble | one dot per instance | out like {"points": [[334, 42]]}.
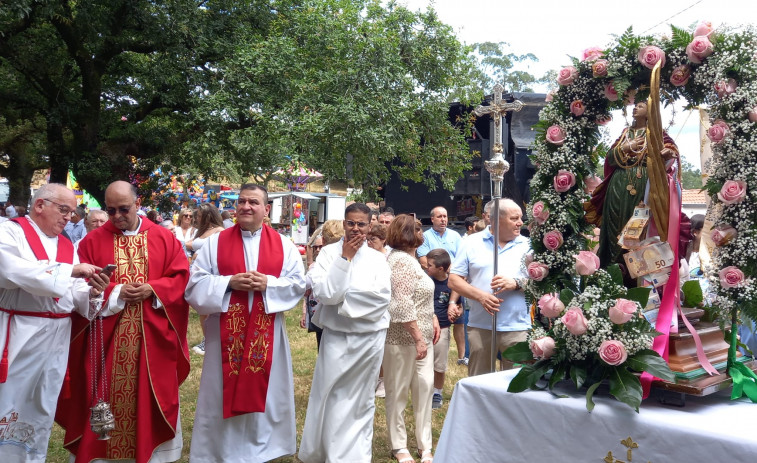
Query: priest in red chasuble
{"points": [[243, 279], [144, 340]]}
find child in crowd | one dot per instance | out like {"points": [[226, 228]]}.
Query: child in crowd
{"points": [[438, 266]]}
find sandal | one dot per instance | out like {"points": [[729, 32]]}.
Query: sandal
{"points": [[426, 456], [405, 459]]}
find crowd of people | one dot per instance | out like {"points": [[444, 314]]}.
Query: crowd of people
{"points": [[94, 309]]}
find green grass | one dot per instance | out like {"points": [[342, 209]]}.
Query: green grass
{"points": [[304, 354]]}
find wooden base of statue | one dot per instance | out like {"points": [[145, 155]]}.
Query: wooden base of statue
{"points": [[682, 354], [691, 379]]}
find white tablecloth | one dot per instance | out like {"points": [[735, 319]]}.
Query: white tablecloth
{"points": [[485, 423]]}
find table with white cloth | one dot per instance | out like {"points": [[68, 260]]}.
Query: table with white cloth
{"points": [[485, 423]]}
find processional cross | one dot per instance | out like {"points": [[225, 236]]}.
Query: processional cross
{"points": [[497, 168]]}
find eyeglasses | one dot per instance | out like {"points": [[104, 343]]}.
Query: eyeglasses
{"points": [[63, 209], [316, 248], [123, 210], [187, 216], [242, 202], [351, 224]]}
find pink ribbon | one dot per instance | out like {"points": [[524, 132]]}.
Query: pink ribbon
{"points": [[670, 302]]}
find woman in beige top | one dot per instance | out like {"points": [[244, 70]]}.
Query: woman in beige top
{"points": [[413, 331]]}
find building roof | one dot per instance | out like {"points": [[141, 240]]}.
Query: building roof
{"points": [[694, 197]]}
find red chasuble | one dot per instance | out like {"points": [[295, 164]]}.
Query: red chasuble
{"points": [[146, 353], [247, 332]]}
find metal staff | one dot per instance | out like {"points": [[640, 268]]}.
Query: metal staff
{"points": [[497, 167]]}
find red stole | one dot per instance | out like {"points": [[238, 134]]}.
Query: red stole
{"points": [[64, 255], [247, 333]]}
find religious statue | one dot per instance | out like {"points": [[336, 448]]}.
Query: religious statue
{"points": [[625, 183]]}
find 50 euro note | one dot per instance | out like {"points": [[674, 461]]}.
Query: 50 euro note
{"points": [[649, 259], [632, 234]]}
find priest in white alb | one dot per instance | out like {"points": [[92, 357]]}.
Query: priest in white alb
{"points": [[41, 280], [243, 279], [352, 281]]}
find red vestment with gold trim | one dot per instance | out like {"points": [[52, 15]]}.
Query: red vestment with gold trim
{"points": [[146, 352]]}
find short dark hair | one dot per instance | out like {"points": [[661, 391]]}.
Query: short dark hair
{"points": [[378, 230], [404, 233], [697, 222], [470, 222], [358, 207], [440, 257], [255, 187], [388, 210]]}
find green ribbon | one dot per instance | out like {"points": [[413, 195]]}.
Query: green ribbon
{"points": [[744, 379]]}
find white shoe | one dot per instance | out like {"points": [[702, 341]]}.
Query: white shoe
{"points": [[199, 348], [380, 391]]}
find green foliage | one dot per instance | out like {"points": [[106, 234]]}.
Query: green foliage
{"points": [[626, 387], [518, 353], [238, 89], [528, 376], [640, 295], [497, 65], [649, 361], [692, 294], [691, 177]]}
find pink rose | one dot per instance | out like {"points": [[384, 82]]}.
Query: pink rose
{"points": [[550, 96], [731, 277], [540, 213], [599, 68], [575, 321], [543, 348], [612, 352], [725, 87], [704, 29], [650, 55], [124, 119], [733, 191], [718, 131], [550, 305], [577, 108], [586, 263], [591, 183], [723, 234], [556, 135], [552, 240], [699, 49], [604, 119], [537, 271], [610, 92], [680, 76], [592, 54], [567, 75], [564, 181], [622, 311], [753, 114]]}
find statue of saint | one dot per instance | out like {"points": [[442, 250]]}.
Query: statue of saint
{"points": [[625, 183]]}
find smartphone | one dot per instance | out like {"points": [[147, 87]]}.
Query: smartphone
{"points": [[108, 269]]}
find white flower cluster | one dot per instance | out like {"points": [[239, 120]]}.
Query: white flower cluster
{"points": [[734, 158]]}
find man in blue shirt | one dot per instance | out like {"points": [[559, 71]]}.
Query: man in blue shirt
{"points": [[488, 293], [438, 236]]}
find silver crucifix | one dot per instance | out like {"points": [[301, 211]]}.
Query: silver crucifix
{"points": [[497, 168]]}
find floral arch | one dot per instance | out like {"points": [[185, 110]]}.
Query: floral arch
{"points": [[594, 330]]}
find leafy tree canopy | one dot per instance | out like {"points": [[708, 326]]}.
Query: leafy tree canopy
{"points": [[228, 88]]}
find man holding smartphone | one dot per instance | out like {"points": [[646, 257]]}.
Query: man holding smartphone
{"points": [[145, 337], [352, 281], [41, 281]]}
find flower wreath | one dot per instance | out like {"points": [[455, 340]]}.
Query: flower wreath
{"points": [[595, 330]]}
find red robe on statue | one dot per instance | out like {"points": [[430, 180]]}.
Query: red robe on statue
{"points": [[146, 352]]}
